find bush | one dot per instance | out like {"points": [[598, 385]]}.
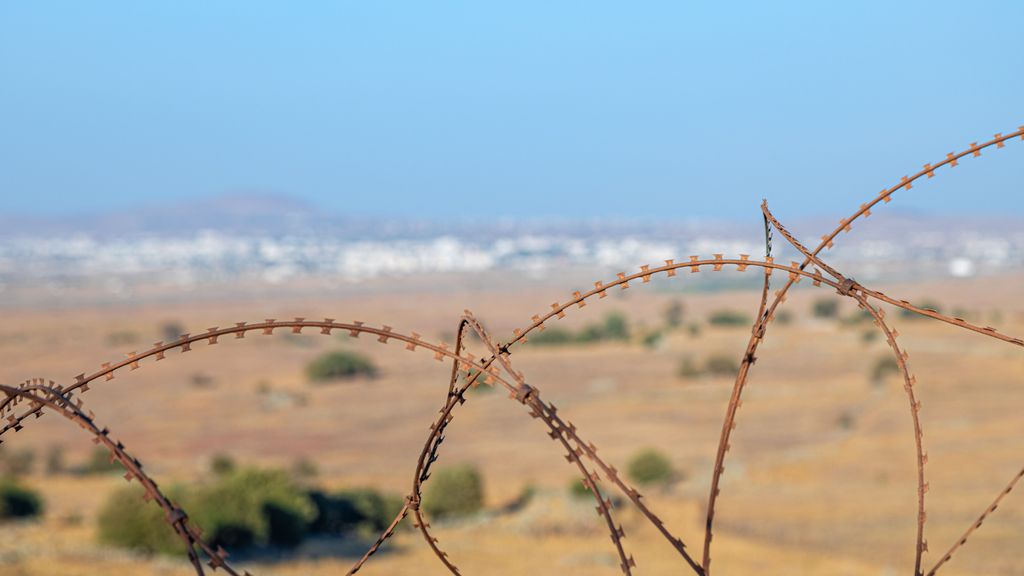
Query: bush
{"points": [[252, 506], [729, 318], [127, 521], [552, 337], [222, 464], [614, 327], [883, 367], [675, 313], [170, 331], [55, 460], [687, 368], [926, 304], [721, 365], [650, 467], [825, 308], [363, 510], [17, 501], [579, 491], [784, 318], [455, 491], [652, 339], [99, 463], [858, 317], [340, 364], [17, 463]]}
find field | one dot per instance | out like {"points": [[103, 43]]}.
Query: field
{"points": [[820, 479]]}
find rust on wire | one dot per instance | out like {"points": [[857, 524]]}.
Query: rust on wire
{"points": [[34, 396]]}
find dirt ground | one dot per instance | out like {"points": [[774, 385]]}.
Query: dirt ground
{"points": [[820, 478]]}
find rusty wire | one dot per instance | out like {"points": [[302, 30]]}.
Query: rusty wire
{"points": [[497, 370]]}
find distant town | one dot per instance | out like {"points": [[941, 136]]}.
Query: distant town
{"points": [[275, 243]]}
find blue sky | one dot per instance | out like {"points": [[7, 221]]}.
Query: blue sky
{"points": [[572, 108]]}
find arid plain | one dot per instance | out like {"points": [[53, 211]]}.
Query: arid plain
{"points": [[820, 479]]}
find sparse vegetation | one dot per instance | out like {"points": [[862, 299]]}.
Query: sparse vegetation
{"points": [[340, 365], [253, 507], [578, 490], [882, 368], [825, 308], [16, 463], [553, 336], [454, 492], [171, 331], [716, 365], [846, 420], [614, 327], [126, 521], [305, 469], [363, 510], [650, 467], [729, 318], [18, 501], [100, 462], [675, 314], [688, 368], [859, 316], [55, 460], [721, 365], [653, 338], [123, 338], [222, 464], [927, 304]]}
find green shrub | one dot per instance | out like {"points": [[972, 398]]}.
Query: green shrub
{"points": [[615, 327], [363, 510], [783, 317], [552, 337], [675, 313], [127, 521], [252, 506], [688, 369], [340, 364], [55, 460], [649, 468], [858, 317], [579, 491], [17, 463], [846, 420], [652, 339], [926, 304], [825, 308], [453, 492], [693, 329], [883, 367], [17, 501], [170, 331], [222, 464], [99, 463], [729, 318], [721, 365]]}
